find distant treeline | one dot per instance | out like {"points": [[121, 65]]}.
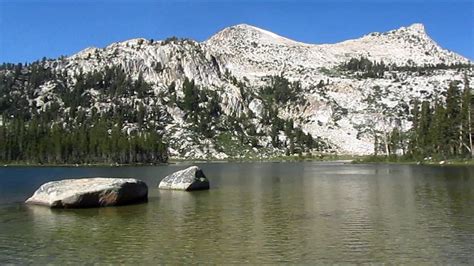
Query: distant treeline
{"points": [[373, 69], [37, 141], [70, 129], [442, 128]]}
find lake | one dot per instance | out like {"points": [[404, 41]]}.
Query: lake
{"points": [[295, 212]]}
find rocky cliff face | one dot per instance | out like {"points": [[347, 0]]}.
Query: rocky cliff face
{"points": [[343, 109], [252, 52]]}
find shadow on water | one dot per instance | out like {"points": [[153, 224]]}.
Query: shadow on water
{"points": [[297, 212]]}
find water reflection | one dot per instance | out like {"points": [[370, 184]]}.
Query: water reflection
{"points": [[257, 213]]}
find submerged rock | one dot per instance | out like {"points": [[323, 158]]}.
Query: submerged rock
{"points": [[189, 179], [90, 192]]}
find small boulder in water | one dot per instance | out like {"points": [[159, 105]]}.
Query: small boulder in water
{"points": [[90, 192], [189, 179]]}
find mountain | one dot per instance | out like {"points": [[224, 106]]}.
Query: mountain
{"points": [[244, 92], [249, 51]]}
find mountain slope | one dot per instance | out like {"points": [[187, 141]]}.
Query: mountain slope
{"points": [[248, 51], [245, 91]]}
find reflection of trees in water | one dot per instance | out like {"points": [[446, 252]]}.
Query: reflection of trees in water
{"points": [[460, 214], [447, 193], [283, 215], [265, 212], [87, 235]]}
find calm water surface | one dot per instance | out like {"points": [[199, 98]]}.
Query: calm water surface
{"points": [[255, 212]]}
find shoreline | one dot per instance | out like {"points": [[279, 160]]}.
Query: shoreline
{"points": [[172, 161], [343, 159], [446, 162]]}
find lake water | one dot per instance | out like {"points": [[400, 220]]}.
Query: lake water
{"points": [[300, 212]]}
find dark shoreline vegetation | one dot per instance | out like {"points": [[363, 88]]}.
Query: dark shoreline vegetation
{"points": [[170, 161], [347, 159], [46, 136], [441, 130], [381, 159], [37, 143]]}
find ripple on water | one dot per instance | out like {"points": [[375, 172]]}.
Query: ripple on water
{"points": [[258, 213]]}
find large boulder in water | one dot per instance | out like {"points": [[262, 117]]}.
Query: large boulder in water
{"points": [[90, 192], [189, 179]]}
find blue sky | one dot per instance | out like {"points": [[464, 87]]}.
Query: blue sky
{"points": [[31, 29]]}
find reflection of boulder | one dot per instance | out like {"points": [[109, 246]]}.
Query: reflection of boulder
{"points": [[188, 179], [90, 192]]}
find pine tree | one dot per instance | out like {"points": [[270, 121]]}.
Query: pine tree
{"points": [[466, 126], [413, 142], [453, 117], [395, 139], [423, 129], [274, 136], [438, 130]]}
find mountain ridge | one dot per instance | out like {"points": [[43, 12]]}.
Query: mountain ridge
{"points": [[400, 46], [343, 95]]}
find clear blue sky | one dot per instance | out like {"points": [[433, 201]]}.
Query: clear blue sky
{"points": [[31, 29]]}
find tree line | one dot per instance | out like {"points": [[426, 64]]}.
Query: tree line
{"points": [[442, 128], [38, 141], [366, 68], [70, 129]]}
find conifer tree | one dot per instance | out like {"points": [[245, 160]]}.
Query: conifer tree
{"points": [[466, 126], [423, 129], [453, 117]]}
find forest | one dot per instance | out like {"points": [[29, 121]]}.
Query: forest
{"points": [[67, 127], [37, 141], [442, 127], [70, 129], [48, 136]]}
